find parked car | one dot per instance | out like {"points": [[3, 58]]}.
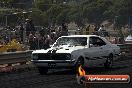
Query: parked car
{"points": [[128, 39], [75, 50], [128, 44]]}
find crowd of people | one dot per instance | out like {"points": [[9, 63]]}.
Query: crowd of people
{"points": [[97, 30], [33, 37], [43, 37]]}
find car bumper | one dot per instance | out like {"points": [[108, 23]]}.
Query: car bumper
{"points": [[54, 63]]}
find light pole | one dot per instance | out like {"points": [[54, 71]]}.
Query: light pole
{"points": [[115, 22], [23, 17], [130, 22], [8, 29], [6, 20]]}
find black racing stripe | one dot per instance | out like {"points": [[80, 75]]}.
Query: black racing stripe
{"points": [[54, 51], [49, 51]]}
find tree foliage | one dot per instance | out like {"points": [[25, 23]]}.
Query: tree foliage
{"points": [[7, 1], [86, 11], [80, 11]]}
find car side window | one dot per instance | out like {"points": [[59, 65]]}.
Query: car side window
{"points": [[96, 42]]}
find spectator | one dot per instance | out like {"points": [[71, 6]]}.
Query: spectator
{"points": [[64, 29], [87, 29], [29, 27], [47, 42], [31, 41], [95, 30], [101, 28], [59, 31], [102, 31], [21, 32]]}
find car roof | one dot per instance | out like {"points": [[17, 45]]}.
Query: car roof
{"points": [[79, 36]]}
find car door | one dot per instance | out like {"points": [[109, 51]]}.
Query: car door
{"points": [[92, 53], [95, 51], [102, 50], [105, 48]]}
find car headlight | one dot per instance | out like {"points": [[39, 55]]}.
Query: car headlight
{"points": [[34, 56]]}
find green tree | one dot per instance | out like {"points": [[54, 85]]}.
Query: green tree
{"points": [[62, 17], [39, 17], [7, 1], [43, 4], [78, 11]]}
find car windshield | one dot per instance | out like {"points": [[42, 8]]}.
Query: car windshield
{"points": [[76, 41]]}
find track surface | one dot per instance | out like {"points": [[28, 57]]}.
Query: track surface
{"points": [[63, 78]]}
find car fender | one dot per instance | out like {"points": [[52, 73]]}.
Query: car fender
{"points": [[77, 54]]}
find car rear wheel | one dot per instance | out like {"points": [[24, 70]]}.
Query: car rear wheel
{"points": [[42, 70], [109, 62]]}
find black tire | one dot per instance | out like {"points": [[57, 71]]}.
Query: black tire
{"points": [[42, 70], [78, 63], [109, 62], [81, 80]]}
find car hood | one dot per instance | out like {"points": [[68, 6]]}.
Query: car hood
{"points": [[60, 49]]}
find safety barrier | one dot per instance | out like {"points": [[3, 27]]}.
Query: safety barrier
{"points": [[126, 49], [25, 56], [10, 58]]}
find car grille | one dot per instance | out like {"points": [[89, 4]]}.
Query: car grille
{"points": [[49, 56]]}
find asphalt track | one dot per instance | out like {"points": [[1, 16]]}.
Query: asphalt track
{"points": [[63, 78]]}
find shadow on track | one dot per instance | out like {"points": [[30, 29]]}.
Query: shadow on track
{"points": [[93, 70]]}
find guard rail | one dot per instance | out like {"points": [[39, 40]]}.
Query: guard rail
{"points": [[25, 56], [126, 48], [15, 57]]}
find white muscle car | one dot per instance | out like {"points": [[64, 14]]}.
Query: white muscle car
{"points": [[75, 50]]}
